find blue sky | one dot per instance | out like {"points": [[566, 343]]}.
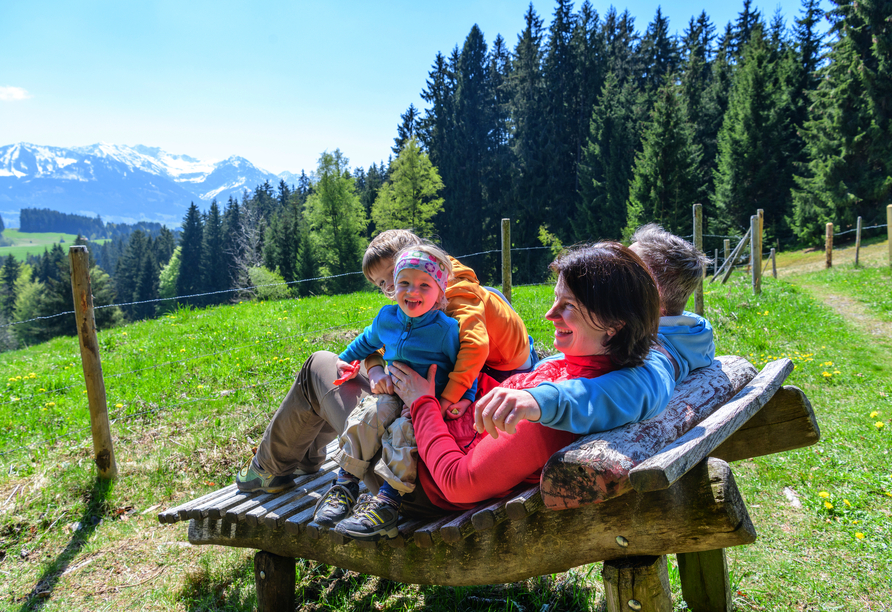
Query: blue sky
{"points": [[274, 82]]}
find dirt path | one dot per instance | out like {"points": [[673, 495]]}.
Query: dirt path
{"points": [[847, 307]]}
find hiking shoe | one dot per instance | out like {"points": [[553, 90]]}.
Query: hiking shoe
{"points": [[372, 519], [252, 478], [335, 505]]}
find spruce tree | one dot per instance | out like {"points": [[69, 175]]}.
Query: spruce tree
{"points": [[337, 223], [409, 199], [849, 137], [659, 52], [8, 277], [214, 275], [665, 182], [189, 281], [406, 129], [754, 169]]}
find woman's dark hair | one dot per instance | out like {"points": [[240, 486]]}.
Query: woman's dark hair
{"points": [[617, 291]]}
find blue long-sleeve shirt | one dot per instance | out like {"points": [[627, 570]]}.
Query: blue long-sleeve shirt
{"points": [[589, 405], [418, 342]]}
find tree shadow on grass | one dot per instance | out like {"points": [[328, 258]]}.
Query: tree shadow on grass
{"points": [[94, 510], [211, 588]]}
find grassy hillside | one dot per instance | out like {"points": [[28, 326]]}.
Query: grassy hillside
{"points": [[192, 393], [24, 244]]}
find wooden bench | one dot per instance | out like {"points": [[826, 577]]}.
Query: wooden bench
{"points": [[627, 497]]}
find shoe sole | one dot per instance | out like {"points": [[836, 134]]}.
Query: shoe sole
{"points": [[381, 534], [251, 488]]}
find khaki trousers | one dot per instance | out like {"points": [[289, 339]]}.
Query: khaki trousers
{"points": [[313, 413]]}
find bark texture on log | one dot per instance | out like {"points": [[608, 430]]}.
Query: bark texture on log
{"points": [[675, 459], [274, 577], [596, 468], [702, 511]]}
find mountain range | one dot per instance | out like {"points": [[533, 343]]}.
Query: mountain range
{"points": [[120, 183]]}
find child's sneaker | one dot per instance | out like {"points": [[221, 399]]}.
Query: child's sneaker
{"points": [[252, 478], [335, 505], [372, 519]]}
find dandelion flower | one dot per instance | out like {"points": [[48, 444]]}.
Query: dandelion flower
{"points": [[119, 405], [182, 350], [859, 535], [874, 414], [41, 390], [824, 494], [827, 374], [50, 404], [201, 386], [828, 505], [837, 372], [879, 424]]}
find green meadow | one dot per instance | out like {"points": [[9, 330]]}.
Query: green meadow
{"points": [[27, 243], [191, 393]]}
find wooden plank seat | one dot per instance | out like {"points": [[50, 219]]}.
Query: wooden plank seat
{"points": [[635, 493]]}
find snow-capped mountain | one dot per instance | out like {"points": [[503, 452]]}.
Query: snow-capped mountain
{"points": [[120, 183]]}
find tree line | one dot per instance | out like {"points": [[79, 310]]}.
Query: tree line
{"points": [[34, 220], [579, 132]]}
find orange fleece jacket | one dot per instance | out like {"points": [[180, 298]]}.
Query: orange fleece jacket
{"points": [[490, 332]]}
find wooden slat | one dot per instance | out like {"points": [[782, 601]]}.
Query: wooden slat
{"points": [[459, 528], [490, 515], [275, 519], [786, 422], [424, 535], [524, 504], [406, 527], [673, 461], [303, 484], [179, 513], [596, 467], [224, 501], [238, 513]]}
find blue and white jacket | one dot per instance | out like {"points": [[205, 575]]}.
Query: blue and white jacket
{"points": [[589, 405], [418, 342]]}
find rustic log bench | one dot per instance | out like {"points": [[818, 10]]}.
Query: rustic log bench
{"points": [[628, 497]]}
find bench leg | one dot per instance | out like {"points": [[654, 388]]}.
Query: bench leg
{"points": [[637, 583], [275, 578], [704, 580]]}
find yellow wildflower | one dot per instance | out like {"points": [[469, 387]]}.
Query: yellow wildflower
{"points": [[874, 414], [42, 390], [824, 494], [119, 405], [182, 350], [879, 424], [828, 505], [847, 503], [859, 535], [827, 374]]}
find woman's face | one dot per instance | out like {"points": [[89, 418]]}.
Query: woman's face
{"points": [[381, 276], [416, 292], [574, 333]]}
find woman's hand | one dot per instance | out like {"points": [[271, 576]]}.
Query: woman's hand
{"points": [[380, 381], [454, 411], [504, 409], [409, 385]]}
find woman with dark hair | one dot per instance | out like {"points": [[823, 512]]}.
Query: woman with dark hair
{"points": [[605, 315]]}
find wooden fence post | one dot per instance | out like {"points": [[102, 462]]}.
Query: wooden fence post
{"points": [[506, 259], [889, 230], [698, 243], [727, 245], [715, 263], [857, 241], [773, 264], [103, 451], [756, 253], [828, 246]]}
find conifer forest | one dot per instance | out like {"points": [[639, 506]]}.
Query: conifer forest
{"points": [[578, 130]]}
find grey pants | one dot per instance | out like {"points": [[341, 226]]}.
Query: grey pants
{"points": [[376, 435], [313, 413]]}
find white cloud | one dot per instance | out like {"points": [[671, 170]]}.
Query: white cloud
{"points": [[11, 94]]}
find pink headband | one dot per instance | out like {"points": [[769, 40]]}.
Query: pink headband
{"points": [[419, 260]]}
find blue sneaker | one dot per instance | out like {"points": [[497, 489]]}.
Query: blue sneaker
{"points": [[335, 505], [373, 519]]}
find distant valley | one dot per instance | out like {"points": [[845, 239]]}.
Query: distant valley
{"points": [[121, 184]]}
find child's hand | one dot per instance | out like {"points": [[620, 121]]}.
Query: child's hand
{"points": [[406, 413], [346, 371], [454, 411], [380, 381]]}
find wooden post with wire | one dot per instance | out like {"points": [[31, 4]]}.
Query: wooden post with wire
{"points": [[889, 231], [727, 245], [698, 243], [103, 452], [773, 264], [756, 253], [828, 246], [857, 241], [506, 259]]}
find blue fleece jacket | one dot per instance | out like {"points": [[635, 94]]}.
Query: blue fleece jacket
{"points": [[418, 342], [589, 405]]}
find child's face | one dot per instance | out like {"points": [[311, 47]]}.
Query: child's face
{"points": [[381, 275], [416, 292]]}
